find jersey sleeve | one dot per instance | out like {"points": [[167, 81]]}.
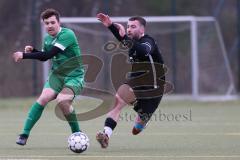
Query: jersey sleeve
{"points": [[65, 40], [148, 46], [115, 31], [42, 56]]}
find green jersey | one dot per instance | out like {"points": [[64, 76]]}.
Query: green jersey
{"points": [[61, 63]]}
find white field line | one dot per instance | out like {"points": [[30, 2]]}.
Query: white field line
{"points": [[126, 156]]}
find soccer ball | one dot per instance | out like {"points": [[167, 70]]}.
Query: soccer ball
{"points": [[78, 142]]}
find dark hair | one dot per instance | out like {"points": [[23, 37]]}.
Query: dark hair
{"points": [[141, 20], [50, 12]]}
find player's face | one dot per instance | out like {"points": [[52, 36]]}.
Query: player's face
{"points": [[135, 30], [52, 25]]}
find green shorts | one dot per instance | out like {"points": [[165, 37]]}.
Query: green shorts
{"points": [[57, 83]]}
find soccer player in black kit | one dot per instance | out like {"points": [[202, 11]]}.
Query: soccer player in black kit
{"points": [[143, 54]]}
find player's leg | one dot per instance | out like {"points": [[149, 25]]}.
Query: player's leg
{"points": [[35, 113], [144, 108], [64, 100], [110, 122], [139, 125], [123, 97]]}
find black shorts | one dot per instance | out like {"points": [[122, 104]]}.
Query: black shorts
{"points": [[148, 97], [146, 107]]}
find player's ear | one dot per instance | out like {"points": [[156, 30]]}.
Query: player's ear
{"points": [[142, 29]]}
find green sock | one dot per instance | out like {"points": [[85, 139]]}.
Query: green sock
{"points": [[72, 121], [33, 116]]}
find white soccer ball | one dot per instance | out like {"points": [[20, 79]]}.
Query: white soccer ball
{"points": [[78, 142]]}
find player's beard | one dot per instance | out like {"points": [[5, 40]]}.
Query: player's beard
{"points": [[134, 36]]}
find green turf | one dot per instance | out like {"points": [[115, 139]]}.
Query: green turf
{"points": [[193, 130]]}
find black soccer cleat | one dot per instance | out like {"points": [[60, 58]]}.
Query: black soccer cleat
{"points": [[22, 139]]}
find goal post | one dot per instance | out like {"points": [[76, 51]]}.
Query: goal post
{"points": [[200, 52]]}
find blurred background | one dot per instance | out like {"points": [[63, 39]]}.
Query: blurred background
{"points": [[219, 61]]}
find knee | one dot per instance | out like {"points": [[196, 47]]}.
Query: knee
{"points": [[46, 96], [43, 100], [64, 104], [61, 99], [120, 103]]}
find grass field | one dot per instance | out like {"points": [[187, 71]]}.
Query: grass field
{"points": [[180, 130]]}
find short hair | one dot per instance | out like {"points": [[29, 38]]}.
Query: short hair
{"points": [[141, 20], [49, 13]]}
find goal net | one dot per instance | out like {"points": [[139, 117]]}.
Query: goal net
{"points": [[192, 48]]}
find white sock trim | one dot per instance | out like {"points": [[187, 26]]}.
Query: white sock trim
{"points": [[108, 131]]}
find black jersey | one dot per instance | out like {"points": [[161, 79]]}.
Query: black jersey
{"points": [[144, 49]]}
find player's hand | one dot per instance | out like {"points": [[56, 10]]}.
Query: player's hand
{"points": [[28, 49], [105, 19], [120, 28], [17, 56]]}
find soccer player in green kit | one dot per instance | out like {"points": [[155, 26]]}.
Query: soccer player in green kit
{"points": [[66, 76]]}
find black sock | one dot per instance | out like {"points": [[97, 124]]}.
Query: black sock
{"points": [[109, 122]]}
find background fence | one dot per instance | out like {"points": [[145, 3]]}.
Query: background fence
{"points": [[21, 26]]}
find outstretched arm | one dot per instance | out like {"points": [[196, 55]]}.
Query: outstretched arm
{"points": [[105, 19], [117, 29], [42, 56]]}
